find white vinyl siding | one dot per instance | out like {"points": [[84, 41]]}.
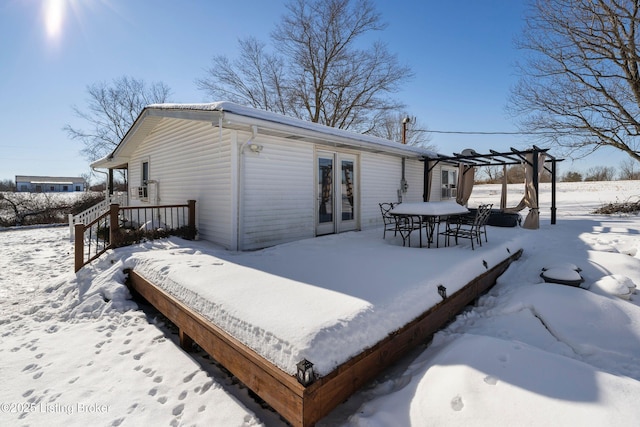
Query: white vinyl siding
{"points": [[248, 200], [187, 160], [380, 177], [277, 198], [414, 174], [380, 182]]}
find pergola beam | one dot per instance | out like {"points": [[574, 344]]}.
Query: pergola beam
{"points": [[495, 158]]}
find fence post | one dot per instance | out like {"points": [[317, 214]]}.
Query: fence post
{"points": [[114, 225], [192, 218], [79, 246]]}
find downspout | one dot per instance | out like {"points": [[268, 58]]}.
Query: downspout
{"points": [[403, 182], [254, 133]]}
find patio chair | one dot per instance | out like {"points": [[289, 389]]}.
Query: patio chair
{"points": [[470, 227], [388, 219], [406, 224]]}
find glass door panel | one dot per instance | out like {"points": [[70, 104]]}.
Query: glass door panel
{"points": [[336, 193], [347, 190], [326, 197]]}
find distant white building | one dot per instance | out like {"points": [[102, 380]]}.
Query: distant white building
{"points": [[49, 184]]}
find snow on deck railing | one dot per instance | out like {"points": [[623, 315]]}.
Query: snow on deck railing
{"points": [[122, 226]]}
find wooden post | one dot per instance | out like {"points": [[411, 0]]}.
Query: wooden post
{"points": [[114, 225], [79, 246], [192, 218], [110, 183], [186, 342]]}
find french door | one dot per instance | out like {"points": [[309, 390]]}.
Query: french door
{"points": [[336, 192]]}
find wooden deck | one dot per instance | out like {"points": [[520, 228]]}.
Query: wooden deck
{"points": [[299, 405]]}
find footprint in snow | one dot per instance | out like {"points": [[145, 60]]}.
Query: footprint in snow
{"points": [[31, 367], [138, 356], [491, 380], [457, 404], [183, 395], [178, 409], [189, 377], [157, 379]]}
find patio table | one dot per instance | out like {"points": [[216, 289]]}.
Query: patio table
{"points": [[428, 215]]}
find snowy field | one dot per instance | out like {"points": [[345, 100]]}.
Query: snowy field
{"points": [[76, 351]]}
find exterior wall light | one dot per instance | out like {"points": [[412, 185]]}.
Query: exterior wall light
{"points": [[305, 374], [255, 148]]}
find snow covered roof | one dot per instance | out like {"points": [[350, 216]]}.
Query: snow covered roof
{"points": [[232, 115], [49, 179]]}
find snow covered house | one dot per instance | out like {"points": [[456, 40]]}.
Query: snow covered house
{"points": [[261, 179]]}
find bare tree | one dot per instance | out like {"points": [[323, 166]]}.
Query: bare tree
{"points": [[492, 174], [629, 170], [580, 86], [111, 110], [572, 176], [515, 174], [600, 173], [7, 185], [390, 125], [320, 72]]}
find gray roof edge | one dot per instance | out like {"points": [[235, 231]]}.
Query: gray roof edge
{"points": [[268, 116]]}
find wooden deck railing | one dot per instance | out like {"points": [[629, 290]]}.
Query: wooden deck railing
{"points": [[95, 211], [122, 226]]}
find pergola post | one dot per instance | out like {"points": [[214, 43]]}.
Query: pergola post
{"points": [[110, 183], [553, 191]]}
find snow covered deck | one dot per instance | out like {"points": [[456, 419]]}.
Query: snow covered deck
{"points": [[333, 300]]}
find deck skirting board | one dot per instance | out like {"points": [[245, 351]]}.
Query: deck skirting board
{"points": [[299, 405]]}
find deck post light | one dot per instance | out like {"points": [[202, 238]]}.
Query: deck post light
{"points": [[442, 291], [305, 374]]}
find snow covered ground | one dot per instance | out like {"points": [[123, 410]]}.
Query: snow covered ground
{"points": [[75, 351]]}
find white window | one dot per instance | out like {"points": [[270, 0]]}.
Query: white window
{"points": [[449, 182], [144, 181]]}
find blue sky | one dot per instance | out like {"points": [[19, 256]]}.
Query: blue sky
{"points": [[462, 53]]}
